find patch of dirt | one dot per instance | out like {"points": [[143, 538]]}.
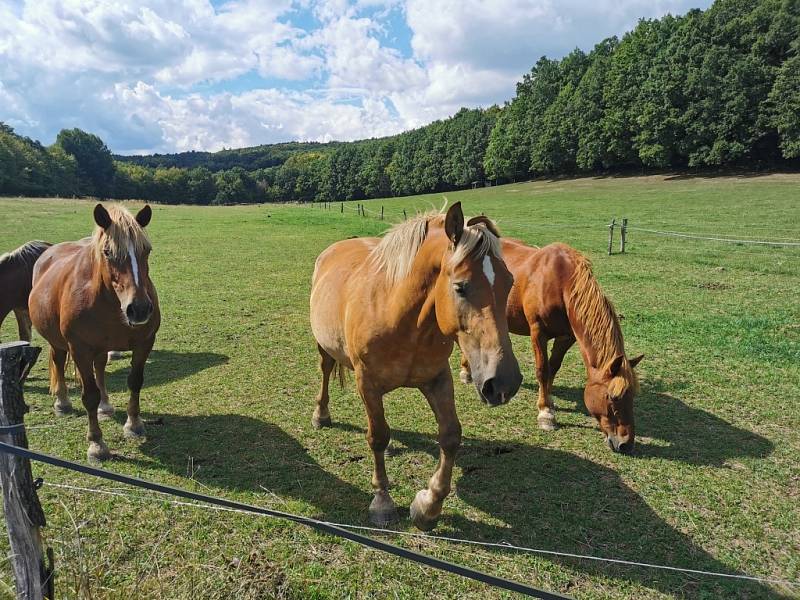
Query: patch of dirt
{"points": [[714, 286]]}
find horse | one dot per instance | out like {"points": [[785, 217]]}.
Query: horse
{"points": [[16, 274], [92, 296], [555, 295], [390, 310]]}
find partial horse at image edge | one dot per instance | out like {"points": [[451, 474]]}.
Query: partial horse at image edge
{"points": [[16, 280]]}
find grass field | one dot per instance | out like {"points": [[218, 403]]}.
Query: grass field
{"points": [[714, 484]]}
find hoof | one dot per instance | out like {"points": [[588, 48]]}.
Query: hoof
{"points": [[465, 377], [382, 510], [62, 408], [421, 520], [133, 429], [98, 452], [547, 420], [105, 411], [320, 422]]}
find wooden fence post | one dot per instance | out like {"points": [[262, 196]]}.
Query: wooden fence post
{"points": [[342, 207], [405, 217], [24, 514], [381, 213], [611, 234], [623, 230]]}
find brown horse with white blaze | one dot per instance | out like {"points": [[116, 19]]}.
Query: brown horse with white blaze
{"points": [[390, 309], [92, 296], [16, 276], [556, 295]]}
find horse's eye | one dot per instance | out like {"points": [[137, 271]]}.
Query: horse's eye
{"points": [[461, 288]]}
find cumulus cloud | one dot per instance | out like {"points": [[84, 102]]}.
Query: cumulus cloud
{"points": [[148, 75]]}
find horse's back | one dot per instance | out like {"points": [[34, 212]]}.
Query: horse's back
{"points": [[335, 271], [16, 274], [541, 282]]}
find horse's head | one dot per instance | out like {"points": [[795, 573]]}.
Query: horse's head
{"points": [[122, 250], [471, 294], [609, 395]]}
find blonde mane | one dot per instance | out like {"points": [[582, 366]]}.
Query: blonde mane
{"points": [[600, 322], [394, 255], [113, 242]]}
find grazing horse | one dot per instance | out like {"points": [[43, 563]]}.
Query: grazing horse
{"points": [[92, 296], [16, 274], [555, 295], [390, 310]]}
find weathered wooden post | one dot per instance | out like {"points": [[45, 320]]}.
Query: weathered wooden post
{"points": [[381, 213], [622, 232], [405, 216], [24, 514], [342, 207], [611, 234]]}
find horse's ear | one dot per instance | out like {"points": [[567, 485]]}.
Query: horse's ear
{"points": [[486, 221], [614, 366], [454, 223], [635, 361], [143, 216], [101, 216]]}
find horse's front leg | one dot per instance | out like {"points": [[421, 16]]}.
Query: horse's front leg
{"points": [[382, 510], [23, 324], [427, 505], [547, 415], [134, 427]]}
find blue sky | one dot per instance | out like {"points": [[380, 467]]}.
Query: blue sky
{"points": [[154, 76]]}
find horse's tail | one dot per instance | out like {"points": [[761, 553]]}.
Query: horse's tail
{"points": [[341, 374], [54, 373]]}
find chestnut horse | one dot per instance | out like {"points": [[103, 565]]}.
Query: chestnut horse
{"points": [[555, 295], [390, 310], [92, 296], [16, 274]]}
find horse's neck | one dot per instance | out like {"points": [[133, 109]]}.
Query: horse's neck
{"points": [[412, 300], [597, 345]]}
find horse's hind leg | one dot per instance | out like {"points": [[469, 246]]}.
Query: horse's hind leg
{"points": [[104, 409], [58, 383], [134, 426], [382, 510], [322, 417], [547, 416], [84, 361], [23, 324], [427, 504]]}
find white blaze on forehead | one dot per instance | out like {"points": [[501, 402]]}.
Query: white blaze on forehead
{"points": [[134, 263], [488, 269]]}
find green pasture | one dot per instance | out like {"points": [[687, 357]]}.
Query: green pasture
{"points": [[229, 390]]}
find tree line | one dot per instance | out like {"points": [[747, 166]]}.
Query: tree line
{"points": [[709, 89]]}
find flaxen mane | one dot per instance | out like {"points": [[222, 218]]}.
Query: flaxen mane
{"points": [[113, 242], [27, 254], [395, 253], [599, 319]]}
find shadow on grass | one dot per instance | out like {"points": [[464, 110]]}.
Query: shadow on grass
{"points": [[241, 453], [689, 434], [547, 498], [554, 500]]}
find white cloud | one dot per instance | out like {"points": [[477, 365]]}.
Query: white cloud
{"points": [[148, 75]]}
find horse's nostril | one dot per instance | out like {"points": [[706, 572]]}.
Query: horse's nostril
{"points": [[626, 448], [488, 390]]}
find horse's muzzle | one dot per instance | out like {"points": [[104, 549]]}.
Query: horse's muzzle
{"points": [[139, 312], [621, 447], [496, 391]]}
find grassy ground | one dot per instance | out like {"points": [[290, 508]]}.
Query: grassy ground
{"points": [[714, 485]]}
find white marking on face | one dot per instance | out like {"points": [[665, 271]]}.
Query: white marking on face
{"points": [[134, 264], [488, 269]]}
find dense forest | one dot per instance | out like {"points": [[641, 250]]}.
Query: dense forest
{"points": [[709, 89]]}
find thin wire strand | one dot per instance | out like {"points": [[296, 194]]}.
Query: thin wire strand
{"points": [[504, 545]]}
